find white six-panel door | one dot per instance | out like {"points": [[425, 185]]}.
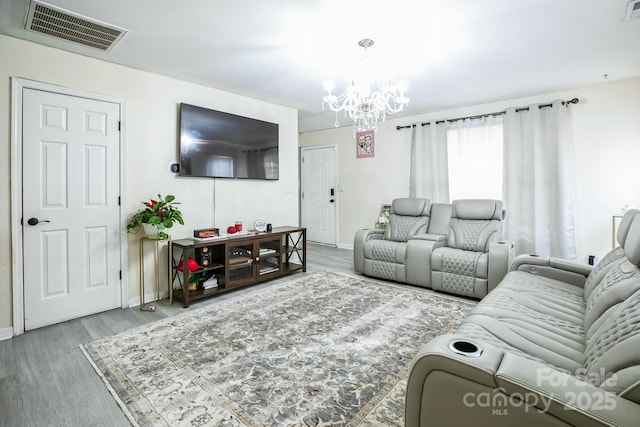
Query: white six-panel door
{"points": [[319, 179], [70, 187]]}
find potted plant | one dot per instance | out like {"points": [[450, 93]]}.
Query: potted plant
{"points": [[156, 215]]}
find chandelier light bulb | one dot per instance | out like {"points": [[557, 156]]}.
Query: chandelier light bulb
{"points": [[366, 101]]}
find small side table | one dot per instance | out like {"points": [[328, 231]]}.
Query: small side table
{"points": [[156, 286]]}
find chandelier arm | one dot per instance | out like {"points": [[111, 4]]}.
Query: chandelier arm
{"points": [[367, 102]]}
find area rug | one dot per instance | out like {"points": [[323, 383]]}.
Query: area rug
{"points": [[329, 349]]}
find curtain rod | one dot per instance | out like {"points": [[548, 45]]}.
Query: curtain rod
{"points": [[497, 113]]}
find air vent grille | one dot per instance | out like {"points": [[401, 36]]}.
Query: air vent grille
{"points": [[62, 24], [633, 10]]}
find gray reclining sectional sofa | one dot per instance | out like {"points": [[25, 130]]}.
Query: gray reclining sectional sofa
{"points": [[454, 247], [554, 344]]}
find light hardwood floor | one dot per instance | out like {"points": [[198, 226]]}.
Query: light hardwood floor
{"points": [[46, 381]]}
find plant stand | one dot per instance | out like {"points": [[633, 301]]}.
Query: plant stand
{"points": [[156, 286]]}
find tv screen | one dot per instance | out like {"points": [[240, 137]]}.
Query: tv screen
{"points": [[223, 145]]}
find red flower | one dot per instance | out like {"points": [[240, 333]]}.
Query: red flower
{"points": [[152, 204]]}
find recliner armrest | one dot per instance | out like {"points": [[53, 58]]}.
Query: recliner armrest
{"points": [[563, 395], [501, 255], [554, 268], [431, 237], [361, 237], [497, 382], [418, 258], [437, 356]]}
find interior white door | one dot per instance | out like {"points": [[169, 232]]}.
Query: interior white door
{"points": [[71, 213], [319, 193]]}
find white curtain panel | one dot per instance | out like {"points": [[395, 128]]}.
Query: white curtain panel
{"points": [[428, 174], [474, 148], [538, 181]]}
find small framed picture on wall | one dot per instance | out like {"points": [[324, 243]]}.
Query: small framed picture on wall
{"points": [[365, 144]]}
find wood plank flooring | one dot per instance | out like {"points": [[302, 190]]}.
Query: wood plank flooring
{"points": [[45, 380]]}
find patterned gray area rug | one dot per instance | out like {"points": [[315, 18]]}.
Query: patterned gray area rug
{"points": [[329, 349]]}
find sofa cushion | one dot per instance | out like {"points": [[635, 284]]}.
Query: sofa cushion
{"points": [[615, 277], [625, 224], [537, 317], [385, 250], [632, 242]]}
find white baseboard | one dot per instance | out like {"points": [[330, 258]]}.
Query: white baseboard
{"points": [[148, 297], [6, 333], [345, 246]]}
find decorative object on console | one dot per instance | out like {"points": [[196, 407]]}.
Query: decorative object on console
{"points": [[365, 144], [260, 226], [238, 225], [203, 256], [385, 213], [206, 233], [156, 215], [192, 265], [366, 101]]}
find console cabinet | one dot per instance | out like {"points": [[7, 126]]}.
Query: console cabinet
{"points": [[233, 262]]}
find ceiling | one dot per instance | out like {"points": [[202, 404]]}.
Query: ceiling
{"points": [[450, 52]]}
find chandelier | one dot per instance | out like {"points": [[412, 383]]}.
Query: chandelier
{"points": [[366, 101]]}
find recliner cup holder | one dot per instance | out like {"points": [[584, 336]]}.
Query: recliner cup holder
{"points": [[465, 348]]}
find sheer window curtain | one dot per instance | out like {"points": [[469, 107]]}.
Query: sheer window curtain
{"points": [[475, 158], [428, 173], [538, 181]]}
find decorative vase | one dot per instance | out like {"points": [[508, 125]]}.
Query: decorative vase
{"points": [[152, 230]]}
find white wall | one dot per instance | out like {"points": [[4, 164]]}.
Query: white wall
{"points": [[606, 145], [150, 145]]}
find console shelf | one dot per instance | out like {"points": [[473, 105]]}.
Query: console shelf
{"points": [[234, 261]]}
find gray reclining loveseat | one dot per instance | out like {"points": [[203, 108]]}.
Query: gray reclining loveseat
{"points": [[454, 247], [555, 344]]}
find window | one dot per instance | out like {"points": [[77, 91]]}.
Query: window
{"points": [[474, 149]]}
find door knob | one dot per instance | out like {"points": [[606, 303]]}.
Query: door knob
{"points": [[35, 221]]}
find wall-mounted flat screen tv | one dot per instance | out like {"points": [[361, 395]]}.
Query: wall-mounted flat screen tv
{"points": [[223, 145]]}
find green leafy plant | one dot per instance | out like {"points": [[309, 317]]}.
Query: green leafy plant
{"points": [[161, 212]]}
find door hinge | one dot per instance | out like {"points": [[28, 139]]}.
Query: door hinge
{"points": [[119, 125], [119, 201], [120, 274]]}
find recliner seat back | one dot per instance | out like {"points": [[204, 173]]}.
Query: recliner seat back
{"points": [[385, 258], [462, 266], [612, 316], [475, 224], [409, 216], [600, 269]]}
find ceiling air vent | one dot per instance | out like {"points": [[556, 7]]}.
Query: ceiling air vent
{"points": [[63, 24], [633, 10]]}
